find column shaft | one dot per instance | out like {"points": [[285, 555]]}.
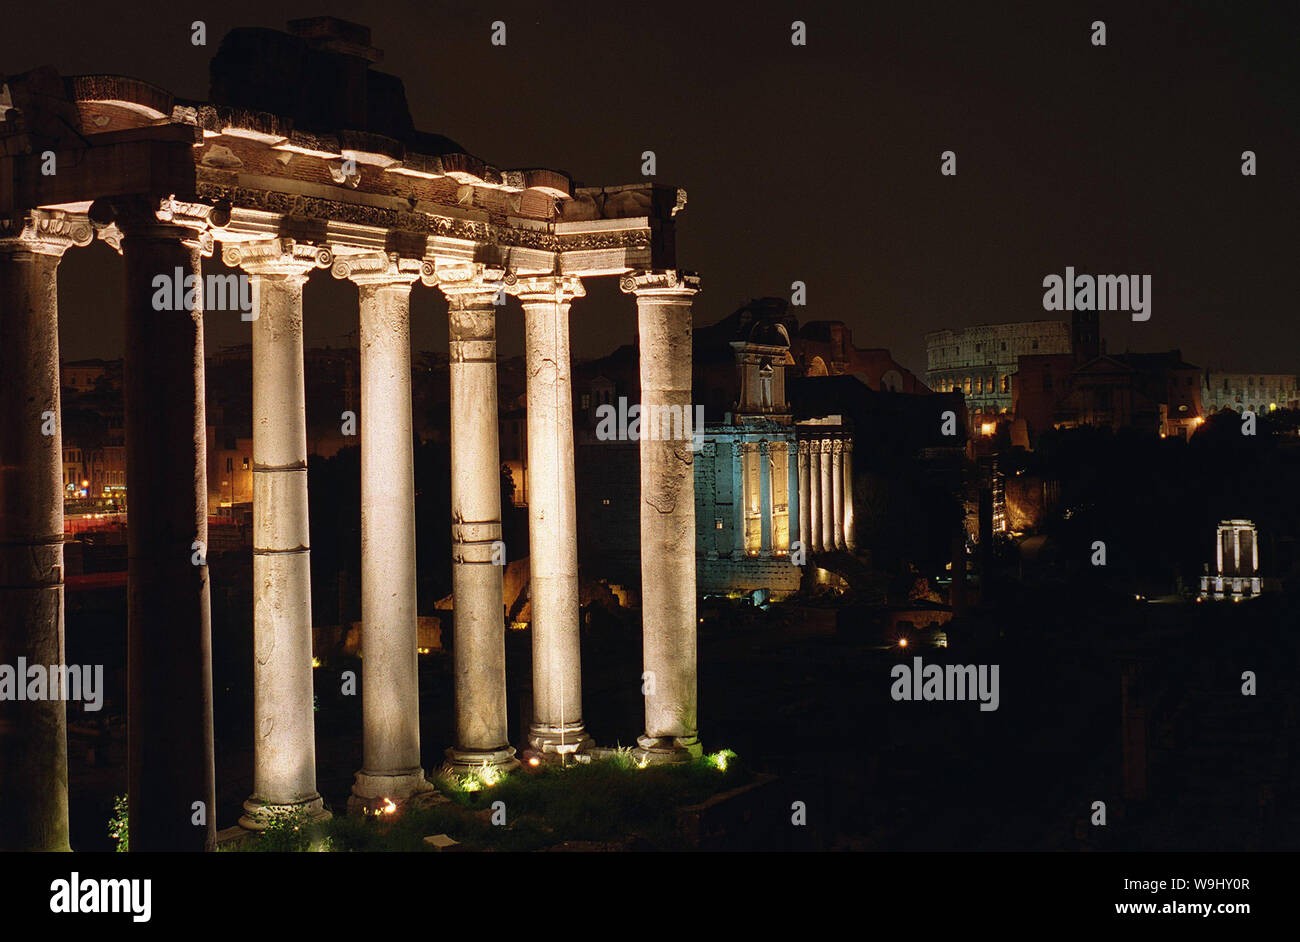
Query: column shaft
{"points": [[478, 596], [850, 537], [557, 725], [390, 693], [284, 733], [667, 523], [805, 498], [169, 644], [765, 498], [837, 492], [814, 497], [33, 733], [827, 499]]}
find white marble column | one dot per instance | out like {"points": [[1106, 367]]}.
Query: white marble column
{"points": [[764, 499], [390, 689], [33, 733], [837, 491], [814, 496], [284, 721], [668, 594], [850, 537], [477, 592], [557, 726], [169, 646], [827, 500]]}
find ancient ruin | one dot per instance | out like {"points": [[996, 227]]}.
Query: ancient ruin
{"points": [[305, 158]]}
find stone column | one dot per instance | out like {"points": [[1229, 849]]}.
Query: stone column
{"points": [[33, 733], [814, 537], [663, 301], [850, 537], [284, 723], [827, 500], [740, 498], [764, 499], [169, 634], [557, 726], [477, 553], [795, 507], [390, 689], [837, 491], [1218, 550]]}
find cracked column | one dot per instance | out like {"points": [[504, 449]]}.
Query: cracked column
{"points": [[837, 491], [557, 726], [284, 720], [663, 301], [390, 689], [169, 639], [482, 740], [33, 733]]}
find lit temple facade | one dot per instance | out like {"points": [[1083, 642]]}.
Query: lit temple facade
{"points": [[318, 170], [1236, 563]]}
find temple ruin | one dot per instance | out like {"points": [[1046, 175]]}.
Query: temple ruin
{"points": [[305, 158]]}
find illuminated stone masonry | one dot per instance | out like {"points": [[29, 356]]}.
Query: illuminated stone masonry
{"points": [[167, 183], [1236, 563]]}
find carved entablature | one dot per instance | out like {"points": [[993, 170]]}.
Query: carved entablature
{"points": [[49, 232]]}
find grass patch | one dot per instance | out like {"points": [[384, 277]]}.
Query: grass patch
{"points": [[609, 800]]}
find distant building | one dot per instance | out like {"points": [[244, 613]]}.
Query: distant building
{"points": [[1254, 392], [82, 375], [980, 361]]}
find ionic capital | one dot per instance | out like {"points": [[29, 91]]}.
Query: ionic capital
{"points": [[376, 268], [471, 284], [544, 289], [276, 257], [44, 232], [669, 282]]}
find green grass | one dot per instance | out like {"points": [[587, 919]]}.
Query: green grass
{"points": [[610, 800]]}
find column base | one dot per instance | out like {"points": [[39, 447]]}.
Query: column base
{"points": [[258, 814], [666, 750], [547, 740], [465, 761], [387, 793]]}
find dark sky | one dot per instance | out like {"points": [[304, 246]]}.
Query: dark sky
{"points": [[822, 163]]}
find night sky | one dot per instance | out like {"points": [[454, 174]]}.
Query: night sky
{"points": [[821, 163]]}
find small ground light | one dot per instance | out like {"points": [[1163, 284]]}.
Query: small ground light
{"points": [[902, 642], [534, 761]]}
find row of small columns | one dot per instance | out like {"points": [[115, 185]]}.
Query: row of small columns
{"points": [[826, 494], [170, 740]]}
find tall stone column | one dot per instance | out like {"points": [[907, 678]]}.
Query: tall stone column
{"points": [[390, 689], [814, 536], [795, 507], [284, 724], [739, 499], [764, 499], [663, 301], [837, 491], [169, 634], [557, 726], [850, 537], [482, 738], [33, 733], [827, 500]]}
